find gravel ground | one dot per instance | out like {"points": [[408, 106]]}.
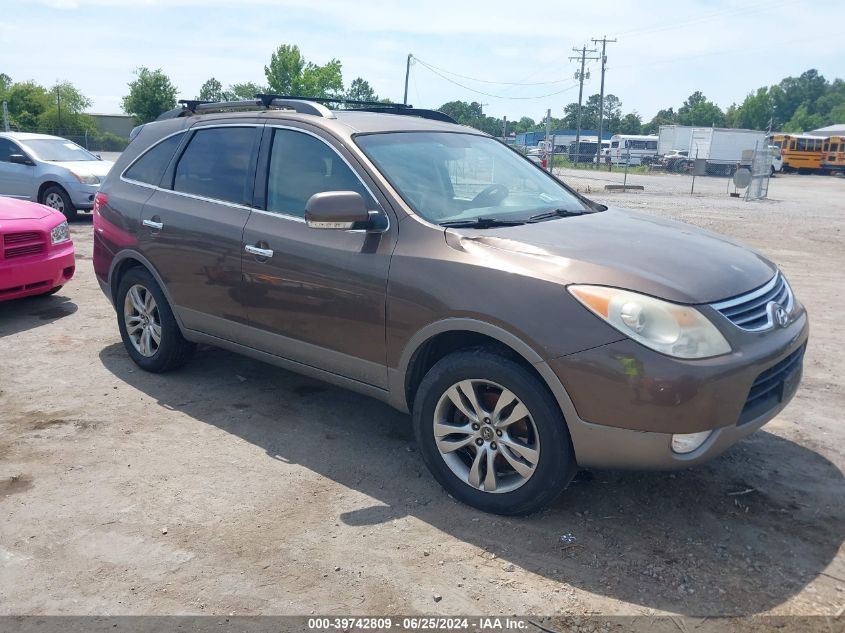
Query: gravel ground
{"points": [[235, 487]]}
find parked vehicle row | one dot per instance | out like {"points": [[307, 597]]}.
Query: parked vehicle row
{"points": [[529, 330]]}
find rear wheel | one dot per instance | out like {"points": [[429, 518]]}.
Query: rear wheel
{"points": [[147, 325], [491, 433], [57, 198]]}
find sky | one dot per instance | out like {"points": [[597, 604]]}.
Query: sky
{"points": [[515, 53]]}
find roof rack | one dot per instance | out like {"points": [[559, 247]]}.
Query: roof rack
{"points": [[304, 105]]}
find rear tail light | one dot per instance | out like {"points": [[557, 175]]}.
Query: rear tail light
{"points": [[99, 200]]}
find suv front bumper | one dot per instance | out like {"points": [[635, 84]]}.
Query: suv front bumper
{"points": [[623, 402]]}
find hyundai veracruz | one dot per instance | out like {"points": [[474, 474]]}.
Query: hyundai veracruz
{"points": [[528, 330]]}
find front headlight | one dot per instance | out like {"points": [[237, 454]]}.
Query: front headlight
{"points": [[60, 233], [669, 328], [86, 179]]}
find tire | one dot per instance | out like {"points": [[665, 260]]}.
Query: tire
{"points": [[171, 350], [772, 171], [486, 373], [57, 198]]}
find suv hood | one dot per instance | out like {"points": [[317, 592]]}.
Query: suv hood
{"points": [[98, 168], [663, 258]]}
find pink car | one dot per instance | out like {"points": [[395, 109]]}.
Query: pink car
{"points": [[36, 252]]}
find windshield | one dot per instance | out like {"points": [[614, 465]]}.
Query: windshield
{"points": [[447, 177], [55, 149]]}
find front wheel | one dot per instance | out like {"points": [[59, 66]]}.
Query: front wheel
{"points": [[491, 433], [57, 198], [147, 325]]}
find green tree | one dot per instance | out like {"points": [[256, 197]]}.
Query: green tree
{"points": [[212, 90], [66, 110], [26, 102], [246, 90], [631, 123], [150, 94], [755, 113], [5, 84], [803, 121], [361, 90], [290, 74], [697, 110], [667, 116]]}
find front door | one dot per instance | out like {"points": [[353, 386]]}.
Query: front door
{"points": [[192, 225], [16, 181], [315, 296]]}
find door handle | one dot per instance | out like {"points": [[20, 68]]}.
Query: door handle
{"points": [[259, 252], [158, 226]]}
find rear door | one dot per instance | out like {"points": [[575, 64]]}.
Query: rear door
{"points": [[192, 225], [319, 297]]}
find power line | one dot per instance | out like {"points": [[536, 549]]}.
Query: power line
{"points": [[494, 96], [663, 26], [487, 81]]}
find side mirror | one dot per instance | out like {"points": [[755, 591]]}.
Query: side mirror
{"points": [[20, 159], [341, 210]]}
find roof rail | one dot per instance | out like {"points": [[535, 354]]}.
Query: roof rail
{"points": [[369, 106], [304, 105]]}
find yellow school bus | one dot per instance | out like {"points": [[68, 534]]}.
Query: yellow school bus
{"points": [[833, 154], [801, 152]]}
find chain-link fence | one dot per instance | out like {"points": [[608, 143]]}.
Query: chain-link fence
{"points": [[761, 171], [92, 140]]}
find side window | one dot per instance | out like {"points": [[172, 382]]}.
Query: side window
{"points": [[7, 148], [216, 164], [651, 144], [300, 166], [150, 167]]}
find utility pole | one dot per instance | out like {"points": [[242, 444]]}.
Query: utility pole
{"points": [[549, 149], [407, 73], [59, 109], [604, 41], [580, 76], [504, 128]]}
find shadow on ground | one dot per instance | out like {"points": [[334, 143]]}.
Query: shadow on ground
{"points": [[20, 315], [739, 535]]}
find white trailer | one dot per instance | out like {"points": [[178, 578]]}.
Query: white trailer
{"points": [[673, 137], [721, 147]]}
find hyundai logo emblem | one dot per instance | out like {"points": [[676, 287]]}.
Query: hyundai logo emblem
{"points": [[780, 315]]}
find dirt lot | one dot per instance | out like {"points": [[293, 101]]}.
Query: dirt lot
{"points": [[282, 495]]}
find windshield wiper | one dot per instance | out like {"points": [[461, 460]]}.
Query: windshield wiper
{"points": [[557, 213], [481, 223]]}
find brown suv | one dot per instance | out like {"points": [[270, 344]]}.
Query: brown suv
{"points": [[385, 249]]}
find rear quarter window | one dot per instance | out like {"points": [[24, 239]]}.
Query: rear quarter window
{"points": [[150, 167]]}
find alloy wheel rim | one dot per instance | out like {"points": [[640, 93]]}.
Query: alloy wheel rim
{"points": [[142, 320], [55, 201], [486, 436]]}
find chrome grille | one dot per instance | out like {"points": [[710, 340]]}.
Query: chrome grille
{"points": [[753, 310]]}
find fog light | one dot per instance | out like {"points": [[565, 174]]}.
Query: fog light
{"points": [[688, 442]]}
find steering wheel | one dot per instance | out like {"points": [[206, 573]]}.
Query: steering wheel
{"points": [[490, 196]]}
